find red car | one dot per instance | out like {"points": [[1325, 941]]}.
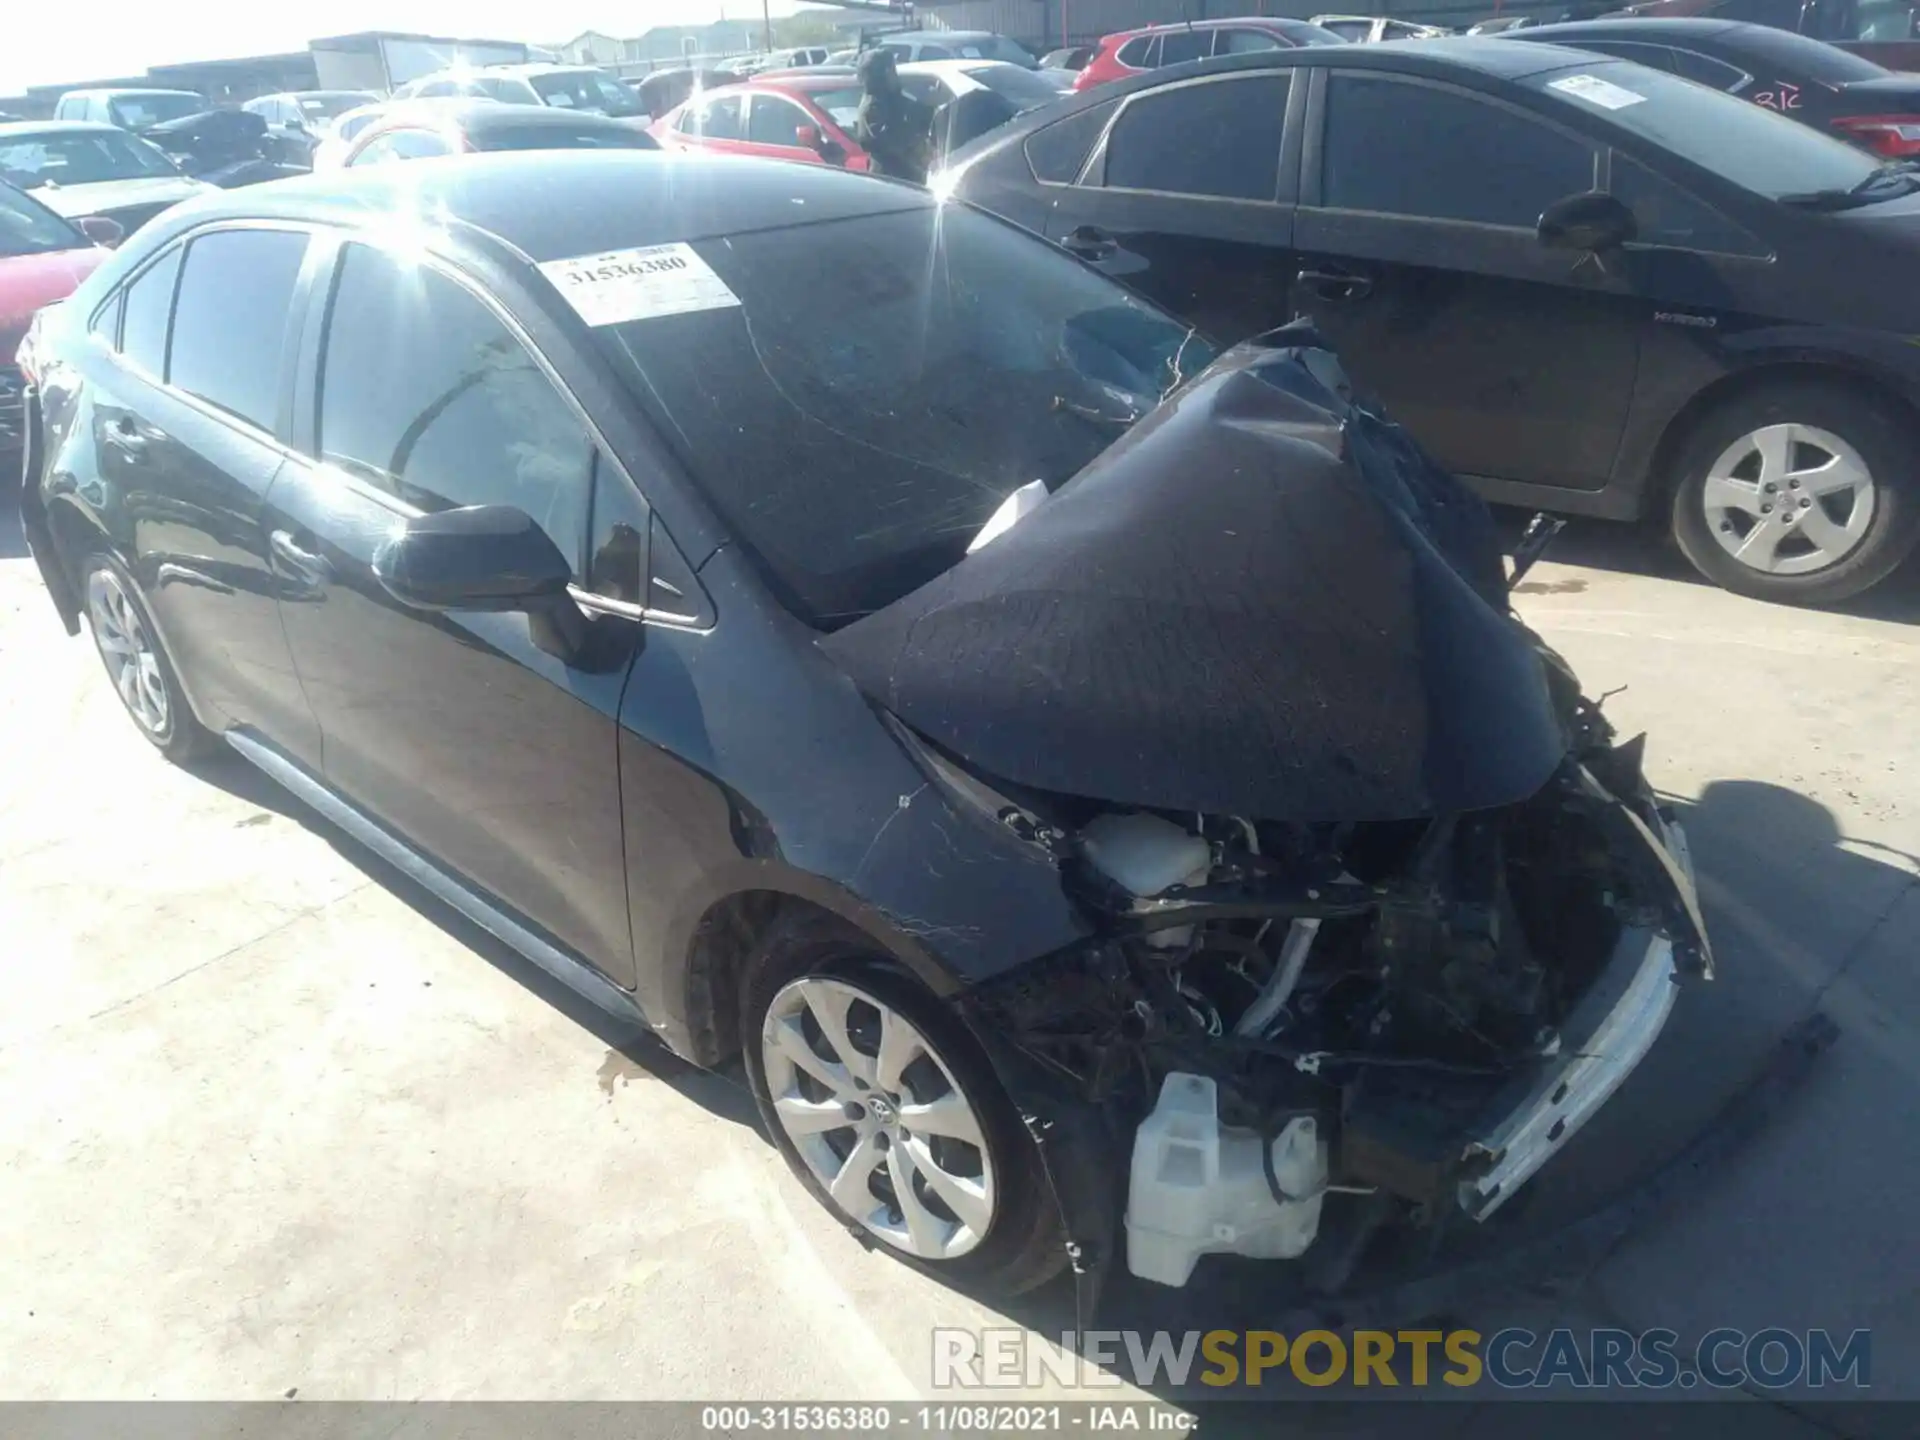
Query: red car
{"points": [[42, 258], [1131, 51], [797, 117]]}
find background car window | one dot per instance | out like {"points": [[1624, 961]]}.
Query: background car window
{"points": [[27, 228], [1705, 70], [1745, 144], [843, 105], [1219, 138], [498, 87], [1138, 52], [426, 394], [1665, 214], [1177, 46], [1399, 149], [1057, 151], [78, 157], [230, 319], [403, 145], [149, 305], [719, 119], [435, 87], [1244, 42], [773, 121], [924, 88]]}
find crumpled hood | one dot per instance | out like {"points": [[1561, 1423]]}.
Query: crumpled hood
{"points": [[1262, 601], [103, 197]]}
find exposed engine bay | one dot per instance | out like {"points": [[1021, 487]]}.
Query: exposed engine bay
{"points": [[1286, 1012], [1380, 913]]}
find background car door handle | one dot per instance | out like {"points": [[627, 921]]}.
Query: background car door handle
{"points": [[1334, 285], [1090, 242], [311, 568]]}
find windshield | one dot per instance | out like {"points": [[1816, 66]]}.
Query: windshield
{"points": [[327, 107], [27, 228], [78, 157], [857, 430], [585, 90], [1023, 87], [1753, 147], [137, 112]]}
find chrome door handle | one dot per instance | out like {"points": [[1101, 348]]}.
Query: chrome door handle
{"points": [[305, 564]]}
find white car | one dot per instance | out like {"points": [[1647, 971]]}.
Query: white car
{"points": [[569, 87], [1372, 29], [78, 168], [336, 142]]}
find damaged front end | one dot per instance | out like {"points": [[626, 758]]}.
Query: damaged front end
{"points": [[1381, 913]]}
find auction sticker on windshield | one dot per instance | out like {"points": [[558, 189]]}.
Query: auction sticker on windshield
{"points": [[1596, 91], [624, 285]]}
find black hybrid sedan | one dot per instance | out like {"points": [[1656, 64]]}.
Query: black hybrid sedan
{"points": [[841, 631], [1583, 284], [1804, 79]]}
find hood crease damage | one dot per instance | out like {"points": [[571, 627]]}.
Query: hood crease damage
{"points": [[1379, 913]]}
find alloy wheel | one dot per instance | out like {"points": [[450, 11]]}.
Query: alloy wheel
{"points": [[1789, 499], [877, 1116], [132, 662]]}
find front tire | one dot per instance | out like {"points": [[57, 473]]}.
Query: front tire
{"points": [[124, 634], [888, 1112], [1802, 492]]}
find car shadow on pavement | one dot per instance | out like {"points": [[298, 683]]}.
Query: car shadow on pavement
{"points": [[632, 1051], [1641, 550]]}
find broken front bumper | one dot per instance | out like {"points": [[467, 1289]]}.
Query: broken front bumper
{"points": [[1605, 1038]]}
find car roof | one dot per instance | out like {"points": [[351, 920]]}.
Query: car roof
{"points": [[43, 127], [113, 90], [553, 204]]}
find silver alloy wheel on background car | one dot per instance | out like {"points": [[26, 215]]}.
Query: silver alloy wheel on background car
{"points": [[132, 663], [878, 1117], [1789, 499]]}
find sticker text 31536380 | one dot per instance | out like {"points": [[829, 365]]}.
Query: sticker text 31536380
{"points": [[624, 285]]}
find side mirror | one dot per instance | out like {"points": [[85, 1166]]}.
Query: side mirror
{"points": [[807, 135], [296, 122], [480, 557], [1593, 223], [486, 557], [102, 230]]}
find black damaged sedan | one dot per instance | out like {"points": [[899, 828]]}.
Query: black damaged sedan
{"points": [[847, 634]]}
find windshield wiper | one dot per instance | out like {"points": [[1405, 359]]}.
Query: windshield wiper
{"points": [[1862, 193]]}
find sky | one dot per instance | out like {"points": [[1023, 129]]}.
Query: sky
{"points": [[47, 42]]}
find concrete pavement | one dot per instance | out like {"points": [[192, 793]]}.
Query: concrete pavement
{"points": [[273, 1120]]}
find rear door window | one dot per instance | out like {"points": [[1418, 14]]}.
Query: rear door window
{"points": [[149, 306], [1057, 151], [230, 320], [1177, 46], [1138, 52], [1235, 41], [426, 394], [1218, 138], [774, 120], [1395, 148], [719, 119]]}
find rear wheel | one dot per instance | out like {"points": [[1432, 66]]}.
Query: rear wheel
{"points": [[887, 1111], [1802, 492], [142, 676]]}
